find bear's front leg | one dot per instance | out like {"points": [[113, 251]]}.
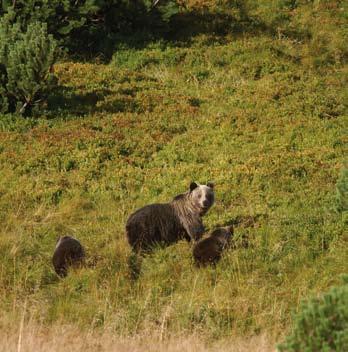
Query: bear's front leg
{"points": [[195, 229]]}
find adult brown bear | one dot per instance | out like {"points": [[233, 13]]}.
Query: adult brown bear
{"points": [[167, 223]]}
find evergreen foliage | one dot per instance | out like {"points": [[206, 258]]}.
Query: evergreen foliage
{"points": [[321, 324], [26, 59], [91, 26]]}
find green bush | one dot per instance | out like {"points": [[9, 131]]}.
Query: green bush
{"points": [[321, 324], [93, 26], [26, 59]]}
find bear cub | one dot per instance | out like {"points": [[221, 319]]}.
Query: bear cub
{"points": [[68, 252], [209, 250]]}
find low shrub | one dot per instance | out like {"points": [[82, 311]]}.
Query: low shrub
{"points": [[321, 323], [26, 60]]}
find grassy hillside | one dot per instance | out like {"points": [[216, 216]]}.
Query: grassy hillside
{"points": [[269, 129]]}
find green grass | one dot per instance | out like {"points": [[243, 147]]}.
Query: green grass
{"points": [[268, 130]]}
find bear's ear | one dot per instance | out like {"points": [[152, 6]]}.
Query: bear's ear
{"points": [[211, 185], [193, 185]]}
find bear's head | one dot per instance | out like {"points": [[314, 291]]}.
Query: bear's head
{"points": [[202, 196], [225, 233]]}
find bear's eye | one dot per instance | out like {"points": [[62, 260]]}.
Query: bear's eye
{"points": [[199, 196]]}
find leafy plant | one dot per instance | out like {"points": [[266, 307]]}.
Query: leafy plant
{"points": [[92, 26], [26, 59], [321, 324]]}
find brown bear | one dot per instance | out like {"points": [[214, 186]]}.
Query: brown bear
{"points": [[167, 223], [209, 250], [68, 252]]}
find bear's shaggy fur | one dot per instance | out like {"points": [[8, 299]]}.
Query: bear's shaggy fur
{"points": [[209, 250], [68, 252], [167, 223]]}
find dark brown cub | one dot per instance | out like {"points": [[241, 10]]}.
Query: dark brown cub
{"points": [[209, 250], [68, 252]]}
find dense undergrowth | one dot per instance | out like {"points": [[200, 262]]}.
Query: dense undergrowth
{"points": [[243, 110]]}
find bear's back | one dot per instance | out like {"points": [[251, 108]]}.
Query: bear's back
{"points": [[207, 251], [151, 224]]}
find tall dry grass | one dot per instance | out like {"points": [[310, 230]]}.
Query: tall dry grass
{"points": [[35, 338]]}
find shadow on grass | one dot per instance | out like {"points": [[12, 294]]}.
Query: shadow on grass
{"points": [[245, 221], [184, 27], [66, 102]]}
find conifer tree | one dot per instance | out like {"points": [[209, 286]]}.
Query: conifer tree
{"points": [[92, 24], [26, 59], [321, 323]]}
